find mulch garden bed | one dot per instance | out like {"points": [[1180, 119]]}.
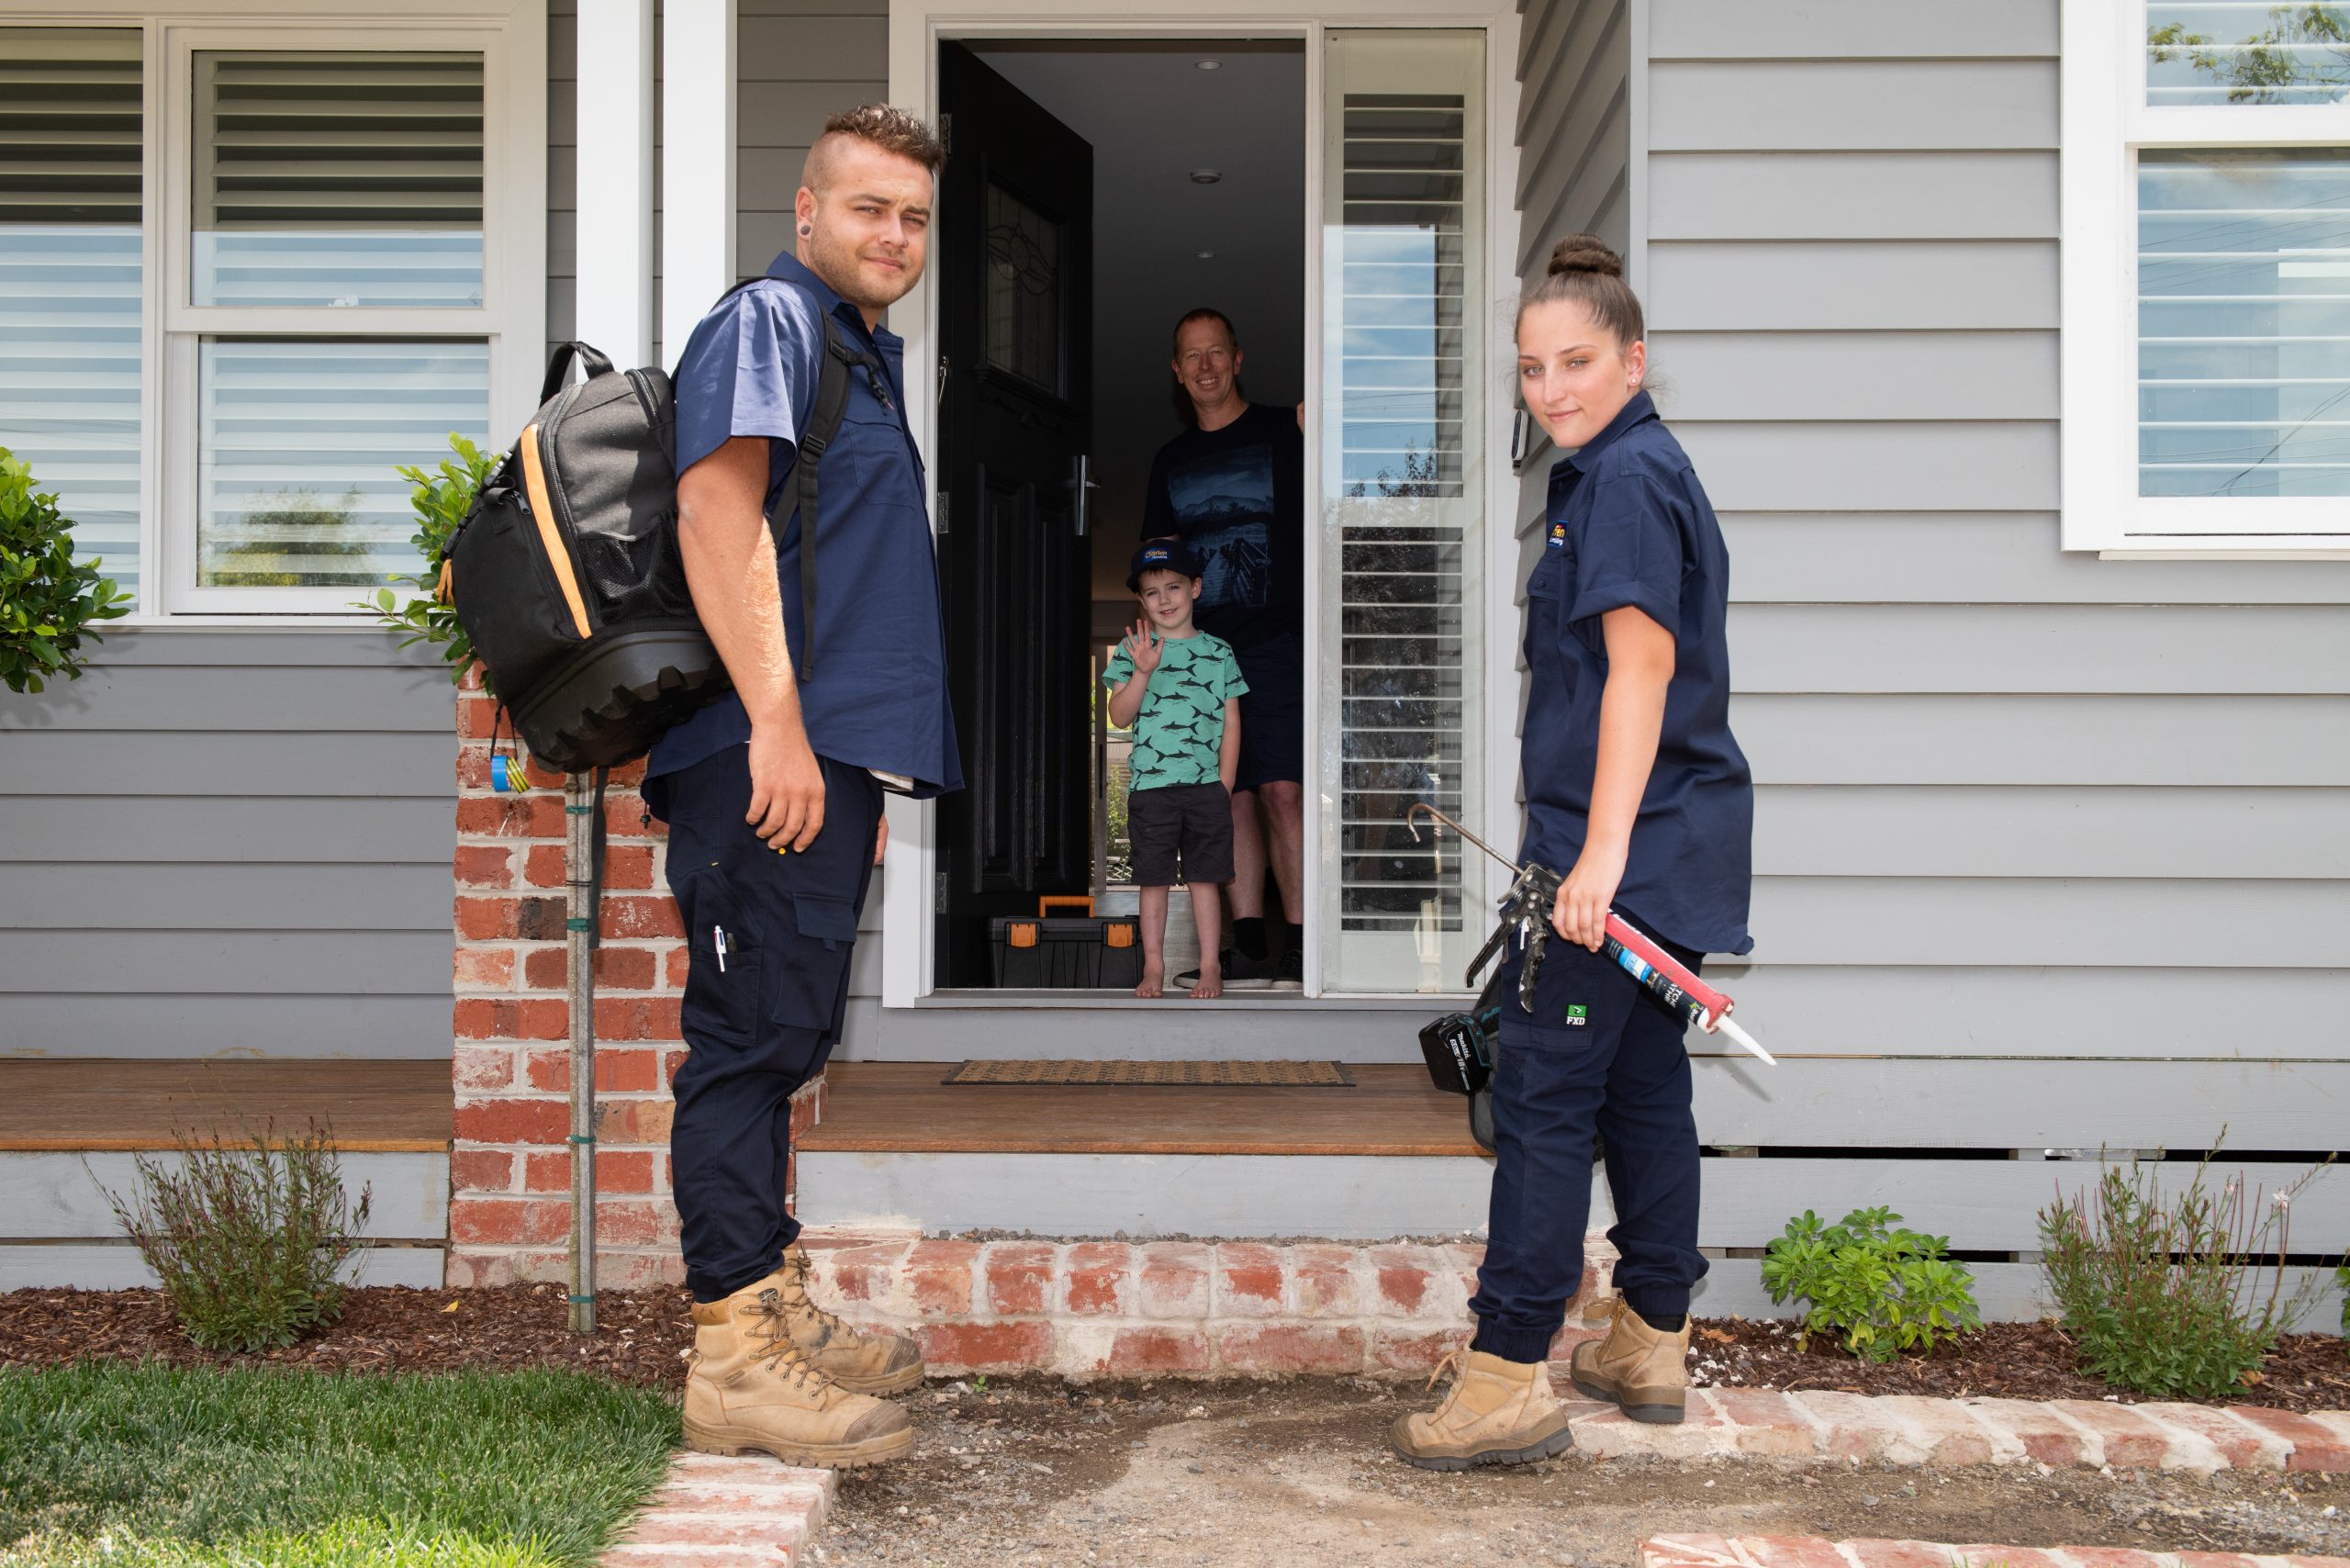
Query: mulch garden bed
{"points": [[642, 1335], [2009, 1360]]}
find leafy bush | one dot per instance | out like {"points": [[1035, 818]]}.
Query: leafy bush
{"points": [[46, 599], [2163, 1291], [440, 497], [1884, 1290], [2342, 1283], [247, 1237]]}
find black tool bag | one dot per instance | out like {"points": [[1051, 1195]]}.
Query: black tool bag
{"points": [[566, 574]]}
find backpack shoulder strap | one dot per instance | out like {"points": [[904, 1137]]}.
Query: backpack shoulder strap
{"points": [[824, 424]]}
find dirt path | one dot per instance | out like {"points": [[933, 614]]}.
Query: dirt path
{"points": [[1296, 1475]]}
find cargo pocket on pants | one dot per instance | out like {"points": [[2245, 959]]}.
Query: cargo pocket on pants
{"points": [[724, 962], [807, 989]]}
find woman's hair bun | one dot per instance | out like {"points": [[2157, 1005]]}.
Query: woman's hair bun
{"points": [[1584, 253]]}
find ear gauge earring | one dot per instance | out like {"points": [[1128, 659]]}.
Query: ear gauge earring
{"points": [[806, 230]]}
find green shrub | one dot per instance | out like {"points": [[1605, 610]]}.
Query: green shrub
{"points": [[440, 497], [2163, 1292], [46, 599], [2342, 1283], [1884, 1290], [248, 1237]]}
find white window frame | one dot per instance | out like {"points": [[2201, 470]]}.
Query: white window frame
{"points": [[510, 36], [2106, 122], [916, 29]]}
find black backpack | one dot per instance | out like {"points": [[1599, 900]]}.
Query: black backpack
{"points": [[565, 571]]}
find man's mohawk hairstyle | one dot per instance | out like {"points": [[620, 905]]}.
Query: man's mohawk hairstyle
{"points": [[891, 130]]}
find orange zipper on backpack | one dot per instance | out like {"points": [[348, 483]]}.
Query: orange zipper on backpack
{"points": [[534, 487]]}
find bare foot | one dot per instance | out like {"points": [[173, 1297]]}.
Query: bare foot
{"points": [[1154, 980], [1211, 984]]}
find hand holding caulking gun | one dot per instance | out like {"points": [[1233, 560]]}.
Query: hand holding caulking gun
{"points": [[1526, 911]]}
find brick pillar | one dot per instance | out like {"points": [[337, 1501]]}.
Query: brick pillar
{"points": [[509, 1170]]}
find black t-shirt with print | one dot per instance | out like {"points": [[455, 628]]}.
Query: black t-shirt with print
{"points": [[1237, 496]]}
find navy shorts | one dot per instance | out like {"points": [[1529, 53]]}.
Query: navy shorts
{"points": [[1188, 825], [1273, 714]]}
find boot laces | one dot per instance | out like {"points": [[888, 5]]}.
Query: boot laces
{"points": [[1451, 1362], [799, 1299], [770, 1332]]}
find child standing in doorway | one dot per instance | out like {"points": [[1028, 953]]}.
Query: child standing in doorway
{"points": [[1178, 689]]}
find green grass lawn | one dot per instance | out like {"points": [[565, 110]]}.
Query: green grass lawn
{"points": [[183, 1466]]}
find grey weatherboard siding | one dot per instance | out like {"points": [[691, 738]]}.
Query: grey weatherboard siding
{"points": [[229, 843]]}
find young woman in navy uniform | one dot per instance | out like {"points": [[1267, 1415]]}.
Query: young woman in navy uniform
{"points": [[1634, 786]]}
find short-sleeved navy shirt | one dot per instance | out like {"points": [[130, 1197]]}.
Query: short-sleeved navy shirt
{"points": [[878, 698], [1628, 525]]}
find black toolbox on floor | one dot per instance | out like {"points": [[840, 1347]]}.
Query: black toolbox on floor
{"points": [[1065, 952]]}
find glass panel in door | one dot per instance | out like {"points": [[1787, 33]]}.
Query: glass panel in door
{"points": [[1403, 503]]}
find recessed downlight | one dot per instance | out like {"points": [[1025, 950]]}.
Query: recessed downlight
{"points": [[1207, 64], [1206, 177], [1207, 256]]}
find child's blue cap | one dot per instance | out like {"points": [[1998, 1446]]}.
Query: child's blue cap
{"points": [[1161, 555]]}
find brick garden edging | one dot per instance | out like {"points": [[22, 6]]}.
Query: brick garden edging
{"points": [[1812, 1551], [1090, 1309], [726, 1513]]}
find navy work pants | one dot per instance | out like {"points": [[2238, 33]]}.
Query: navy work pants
{"points": [[762, 1025], [1621, 1073]]}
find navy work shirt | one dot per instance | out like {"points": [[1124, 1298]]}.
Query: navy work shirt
{"points": [[1628, 524], [879, 697]]}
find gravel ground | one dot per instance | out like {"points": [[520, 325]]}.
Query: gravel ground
{"points": [[1034, 1472]]}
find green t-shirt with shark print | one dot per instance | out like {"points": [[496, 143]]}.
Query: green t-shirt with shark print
{"points": [[1179, 732]]}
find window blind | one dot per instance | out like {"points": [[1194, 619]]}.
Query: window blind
{"points": [[296, 447], [337, 178], [2243, 322], [71, 196], [1403, 300]]}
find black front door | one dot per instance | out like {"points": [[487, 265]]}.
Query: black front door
{"points": [[1016, 232]]}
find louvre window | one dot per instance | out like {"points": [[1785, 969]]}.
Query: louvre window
{"points": [[2243, 322], [70, 276], [1404, 499]]}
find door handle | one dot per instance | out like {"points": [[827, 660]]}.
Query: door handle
{"points": [[1084, 485]]}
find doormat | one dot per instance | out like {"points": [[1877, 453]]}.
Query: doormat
{"points": [[1159, 1074]]}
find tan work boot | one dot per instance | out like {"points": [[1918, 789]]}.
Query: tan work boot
{"points": [[1644, 1370], [858, 1361], [1498, 1412], [750, 1389]]}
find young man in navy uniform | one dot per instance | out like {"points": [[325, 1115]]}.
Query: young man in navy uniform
{"points": [[773, 795]]}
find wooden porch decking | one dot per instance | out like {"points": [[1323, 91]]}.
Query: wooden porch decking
{"points": [[901, 1107], [890, 1107], [375, 1107]]}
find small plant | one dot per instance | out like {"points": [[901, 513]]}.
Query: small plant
{"points": [[2342, 1283], [442, 497], [48, 599], [1884, 1290], [247, 1237], [2163, 1291]]}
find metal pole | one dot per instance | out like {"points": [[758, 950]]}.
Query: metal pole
{"points": [[579, 976]]}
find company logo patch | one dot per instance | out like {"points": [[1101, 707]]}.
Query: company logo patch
{"points": [[1558, 536], [1578, 1016], [1157, 554]]}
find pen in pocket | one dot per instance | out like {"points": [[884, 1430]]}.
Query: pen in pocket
{"points": [[718, 942]]}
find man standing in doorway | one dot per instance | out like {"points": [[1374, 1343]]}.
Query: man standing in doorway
{"points": [[1232, 487], [773, 794]]}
